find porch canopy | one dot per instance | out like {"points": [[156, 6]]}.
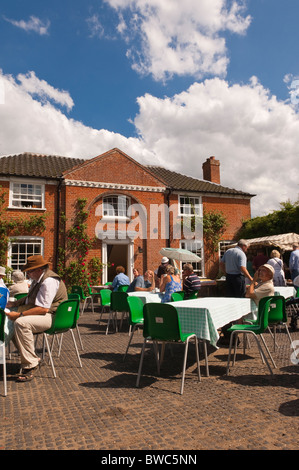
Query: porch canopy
{"points": [[284, 241]]}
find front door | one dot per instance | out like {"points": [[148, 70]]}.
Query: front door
{"points": [[116, 254]]}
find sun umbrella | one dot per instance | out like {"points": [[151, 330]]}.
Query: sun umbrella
{"points": [[180, 254]]}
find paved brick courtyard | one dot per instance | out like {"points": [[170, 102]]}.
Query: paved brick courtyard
{"points": [[98, 407]]}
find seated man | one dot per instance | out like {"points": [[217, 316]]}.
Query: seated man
{"points": [[34, 313], [191, 281], [121, 279], [262, 283], [141, 283]]}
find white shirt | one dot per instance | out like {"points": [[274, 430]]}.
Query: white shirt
{"points": [[47, 291]]}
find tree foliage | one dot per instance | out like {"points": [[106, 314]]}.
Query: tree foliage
{"points": [[285, 220]]}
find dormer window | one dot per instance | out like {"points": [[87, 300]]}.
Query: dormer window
{"points": [[115, 206], [26, 195]]}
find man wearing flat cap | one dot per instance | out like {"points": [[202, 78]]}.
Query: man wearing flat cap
{"points": [[34, 313]]}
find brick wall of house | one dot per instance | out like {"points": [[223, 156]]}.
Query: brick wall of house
{"points": [[24, 214], [117, 168]]}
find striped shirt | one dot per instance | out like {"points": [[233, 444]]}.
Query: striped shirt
{"points": [[191, 283]]}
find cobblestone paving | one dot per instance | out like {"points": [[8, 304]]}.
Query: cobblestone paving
{"points": [[98, 407]]}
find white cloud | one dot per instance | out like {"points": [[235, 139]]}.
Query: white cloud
{"points": [[95, 26], [255, 137], [182, 38], [33, 85], [33, 24], [27, 125]]}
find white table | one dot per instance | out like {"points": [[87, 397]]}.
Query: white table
{"points": [[285, 291], [147, 296], [204, 316]]}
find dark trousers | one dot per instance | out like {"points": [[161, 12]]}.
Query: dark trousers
{"points": [[235, 285]]}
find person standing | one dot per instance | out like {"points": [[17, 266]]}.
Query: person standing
{"points": [[162, 271], [234, 264], [277, 264], [259, 259], [294, 261]]}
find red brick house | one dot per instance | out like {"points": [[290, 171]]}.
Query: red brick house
{"points": [[134, 210]]}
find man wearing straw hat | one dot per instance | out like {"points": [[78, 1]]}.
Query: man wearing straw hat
{"points": [[34, 313]]}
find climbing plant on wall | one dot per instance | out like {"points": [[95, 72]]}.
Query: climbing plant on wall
{"points": [[73, 265]]}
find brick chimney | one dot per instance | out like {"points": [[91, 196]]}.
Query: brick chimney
{"points": [[211, 170]]}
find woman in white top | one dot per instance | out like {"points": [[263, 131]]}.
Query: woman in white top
{"points": [[276, 262]]}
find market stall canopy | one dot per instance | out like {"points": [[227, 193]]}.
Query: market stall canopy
{"points": [[284, 241], [180, 254]]}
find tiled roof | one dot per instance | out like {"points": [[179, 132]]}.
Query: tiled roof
{"points": [[53, 166], [179, 182], [35, 165]]}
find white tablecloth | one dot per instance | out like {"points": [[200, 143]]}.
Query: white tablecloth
{"points": [[147, 296], [286, 292], [204, 316]]}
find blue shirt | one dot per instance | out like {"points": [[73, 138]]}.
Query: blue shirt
{"points": [[138, 282], [234, 259], [120, 279], [294, 260]]}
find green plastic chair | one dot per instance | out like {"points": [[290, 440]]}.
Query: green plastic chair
{"points": [[161, 324], [77, 297], [105, 298], [92, 294], [277, 316], [20, 296], [122, 288], [65, 320], [177, 296], [135, 317], [118, 304], [70, 297], [2, 348], [193, 295], [256, 330], [83, 298]]}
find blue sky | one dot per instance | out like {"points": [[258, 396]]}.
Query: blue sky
{"points": [[168, 82]]}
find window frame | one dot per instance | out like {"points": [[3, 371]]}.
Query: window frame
{"points": [[27, 182], [222, 249], [185, 244], [26, 240], [116, 216], [184, 205]]}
